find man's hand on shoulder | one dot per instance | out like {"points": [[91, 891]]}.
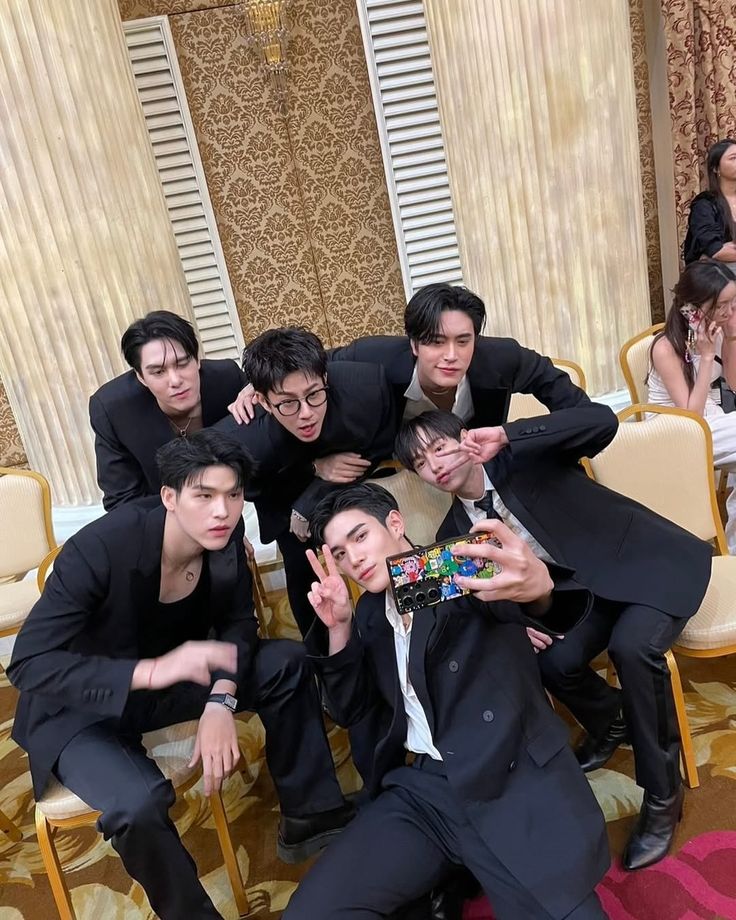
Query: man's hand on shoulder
{"points": [[243, 407], [523, 578], [341, 468], [216, 745]]}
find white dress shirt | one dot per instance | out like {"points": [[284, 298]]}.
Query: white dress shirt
{"points": [[509, 519], [418, 734], [417, 401]]}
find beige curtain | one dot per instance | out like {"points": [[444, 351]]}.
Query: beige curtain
{"points": [[539, 117]]}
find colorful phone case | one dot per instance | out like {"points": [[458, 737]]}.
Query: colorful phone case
{"points": [[423, 577]]}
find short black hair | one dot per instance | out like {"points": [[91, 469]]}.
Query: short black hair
{"points": [[422, 430], [183, 460], [159, 324], [276, 353], [365, 496], [424, 311]]}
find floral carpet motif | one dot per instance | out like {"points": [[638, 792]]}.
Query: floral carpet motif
{"points": [[696, 882]]}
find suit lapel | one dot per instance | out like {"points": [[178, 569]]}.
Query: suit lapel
{"points": [[422, 629]]}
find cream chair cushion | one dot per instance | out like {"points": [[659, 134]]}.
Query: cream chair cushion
{"points": [[714, 625], [170, 747], [525, 405], [16, 600], [662, 463], [422, 506], [23, 540]]}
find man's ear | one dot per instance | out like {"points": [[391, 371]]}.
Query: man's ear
{"points": [[413, 346], [263, 401], [395, 524], [140, 379], [463, 435], [168, 497]]}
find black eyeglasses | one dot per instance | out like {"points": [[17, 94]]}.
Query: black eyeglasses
{"points": [[292, 406]]}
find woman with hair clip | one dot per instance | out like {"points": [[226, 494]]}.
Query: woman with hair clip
{"points": [[693, 361], [711, 231]]}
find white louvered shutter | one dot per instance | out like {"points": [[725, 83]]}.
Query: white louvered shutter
{"points": [[405, 101], [161, 91]]}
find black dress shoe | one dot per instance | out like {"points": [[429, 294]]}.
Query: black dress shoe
{"points": [[654, 830], [593, 754], [300, 838]]}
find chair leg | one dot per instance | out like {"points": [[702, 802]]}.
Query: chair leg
{"points": [[53, 868], [690, 767], [228, 853], [10, 828]]}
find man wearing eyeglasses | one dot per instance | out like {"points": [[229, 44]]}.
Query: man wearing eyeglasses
{"points": [[317, 428]]}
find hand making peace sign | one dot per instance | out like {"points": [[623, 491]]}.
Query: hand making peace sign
{"points": [[329, 595]]}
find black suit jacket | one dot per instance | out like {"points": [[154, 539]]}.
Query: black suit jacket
{"points": [[359, 418], [129, 428], [505, 752], [74, 657], [499, 367], [617, 548]]}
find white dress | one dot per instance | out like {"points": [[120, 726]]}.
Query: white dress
{"points": [[723, 429]]}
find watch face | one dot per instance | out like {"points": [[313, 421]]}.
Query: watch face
{"points": [[230, 702]]}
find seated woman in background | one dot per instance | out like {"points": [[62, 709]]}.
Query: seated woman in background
{"points": [[693, 361], [711, 229]]}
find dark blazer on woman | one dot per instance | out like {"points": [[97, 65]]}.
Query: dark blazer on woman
{"points": [[707, 229], [616, 547], [505, 752], [499, 367], [74, 657], [129, 428]]}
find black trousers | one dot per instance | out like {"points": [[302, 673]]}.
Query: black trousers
{"points": [[403, 844], [299, 578], [107, 766], [637, 638]]}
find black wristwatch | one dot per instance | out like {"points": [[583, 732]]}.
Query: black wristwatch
{"points": [[228, 701]]}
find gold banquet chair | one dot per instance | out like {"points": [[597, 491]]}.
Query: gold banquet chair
{"points": [[665, 464], [525, 405], [26, 536], [634, 361], [171, 748]]}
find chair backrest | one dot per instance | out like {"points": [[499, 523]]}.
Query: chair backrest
{"points": [[634, 361], [422, 506], [26, 530], [46, 568], [524, 405], [666, 464]]}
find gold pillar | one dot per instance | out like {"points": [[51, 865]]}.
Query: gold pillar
{"points": [[85, 240], [539, 120]]}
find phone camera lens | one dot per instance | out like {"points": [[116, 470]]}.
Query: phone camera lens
{"points": [[433, 594], [421, 597]]}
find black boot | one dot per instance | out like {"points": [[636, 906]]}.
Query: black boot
{"points": [[654, 830], [592, 754], [300, 838]]}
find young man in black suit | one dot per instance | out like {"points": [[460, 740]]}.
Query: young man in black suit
{"points": [[629, 558], [443, 362], [318, 427], [119, 645], [493, 785], [168, 393]]}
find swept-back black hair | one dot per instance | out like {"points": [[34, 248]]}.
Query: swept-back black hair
{"points": [[415, 434], [159, 324], [182, 461], [424, 311], [365, 496], [276, 353]]}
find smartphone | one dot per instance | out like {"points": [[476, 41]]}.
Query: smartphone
{"points": [[423, 577]]}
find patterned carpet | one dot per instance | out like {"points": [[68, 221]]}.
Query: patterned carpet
{"points": [[697, 882]]}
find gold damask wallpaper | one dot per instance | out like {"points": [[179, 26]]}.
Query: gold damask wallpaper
{"points": [[11, 448], [300, 198], [646, 159], [701, 71]]}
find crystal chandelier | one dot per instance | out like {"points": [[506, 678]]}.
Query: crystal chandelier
{"points": [[267, 27]]}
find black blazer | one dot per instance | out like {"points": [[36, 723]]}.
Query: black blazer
{"points": [[129, 428], [616, 547], [359, 418], [506, 753], [74, 657], [707, 229], [499, 367]]}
